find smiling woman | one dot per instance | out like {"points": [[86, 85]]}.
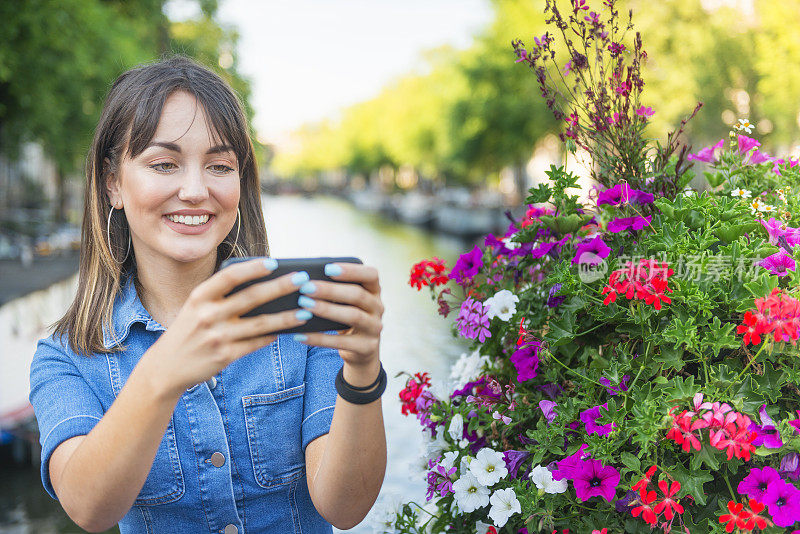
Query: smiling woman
{"points": [[204, 421]]}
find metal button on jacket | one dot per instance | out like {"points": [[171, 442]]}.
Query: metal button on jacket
{"points": [[217, 459], [231, 529]]}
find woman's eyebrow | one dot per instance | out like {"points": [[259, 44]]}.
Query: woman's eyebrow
{"points": [[218, 149]]}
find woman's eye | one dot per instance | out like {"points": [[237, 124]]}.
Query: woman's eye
{"points": [[158, 166], [221, 168]]}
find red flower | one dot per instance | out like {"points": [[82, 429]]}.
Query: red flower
{"points": [[737, 518], [644, 508], [668, 504], [682, 431], [755, 519], [646, 281], [645, 481], [752, 329], [778, 313], [735, 436], [412, 391], [428, 272]]}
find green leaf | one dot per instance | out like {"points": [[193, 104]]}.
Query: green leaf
{"points": [[682, 333], [565, 224], [538, 195], [671, 357], [770, 383], [562, 330], [631, 462], [682, 389], [706, 455], [692, 482], [719, 337]]}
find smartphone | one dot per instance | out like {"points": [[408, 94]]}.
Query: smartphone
{"points": [[315, 267]]}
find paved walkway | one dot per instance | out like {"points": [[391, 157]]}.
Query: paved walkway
{"points": [[17, 280]]}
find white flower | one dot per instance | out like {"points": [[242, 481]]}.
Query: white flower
{"points": [[469, 493], [468, 368], [448, 460], [688, 191], [418, 468], [510, 245], [543, 479], [767, 208], [441, 389], [437, 446], [481, 527], [504, 418], [755, 205], [502, 304], [741, 193], [488, 466], [465, 461], [504, 505], [744, 124], [456, 428], [383, 514]]}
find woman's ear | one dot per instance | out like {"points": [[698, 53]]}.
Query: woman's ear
{"points": [[112, 185]]}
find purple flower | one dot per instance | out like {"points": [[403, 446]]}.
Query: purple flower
{"points": [[553, 300], [790, 466], [747, 143], [514, 460], [614, 390], [708, 154], [526, 360], [473, 320], [551, 389], [778, 263], [594, 478], [468, 388], [439, 480], [783, 500], [467, 266], [622, 505], [594, 249], [621, 224], [766, 433], [590, 417], [756, 157], [548, 409], [569, 466], [755, 484], [622, 193]]}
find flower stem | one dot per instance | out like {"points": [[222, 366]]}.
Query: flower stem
{"points": [[746, 367], [575, 372]]}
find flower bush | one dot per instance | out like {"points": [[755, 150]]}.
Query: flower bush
{"points": [[634, 362]]}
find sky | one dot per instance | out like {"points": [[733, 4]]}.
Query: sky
{"points": [[308, 59]]}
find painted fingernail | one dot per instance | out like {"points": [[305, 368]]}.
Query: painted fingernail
{"points": [[299, 278], [306, 302], [303, 315], [308, 287], [332, 269], [271, 264], [300, 337]]}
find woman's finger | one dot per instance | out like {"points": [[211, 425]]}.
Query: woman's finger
{"points": [[343, 313]]}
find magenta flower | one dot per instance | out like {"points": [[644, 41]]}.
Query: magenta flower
{"points": [[596, 246], [778, 264], [594, 478], [439, 480], [614, 390], [526, 361], [796, 422], [473, 320], [780, 236], [621, 194], [709, 154], [783, 500], [620, 224], [467, 266], [755, 484], [645, 111], [766, 433], [548, 409], [570, 466], [756, 157], [590, 417], [747, 143]]}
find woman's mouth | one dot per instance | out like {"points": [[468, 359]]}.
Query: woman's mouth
{"points": [[194, 224]]}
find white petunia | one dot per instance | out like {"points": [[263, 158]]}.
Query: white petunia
{"points": [[488, 466], [448, 460], [688, 191], [543, 479], [481, 527], [741, 193], [510, 245], [456, 428], [465, 461], [502, 304], [504, 505], [441, 389], [383, 514], [467, 368], [470, 494], [437, 446]]}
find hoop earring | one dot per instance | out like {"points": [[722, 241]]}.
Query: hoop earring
{"points": [[111, 250], [238, 224]]}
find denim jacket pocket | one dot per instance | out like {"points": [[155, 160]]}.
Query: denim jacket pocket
{"points": [[165, 481], [273, 433]]}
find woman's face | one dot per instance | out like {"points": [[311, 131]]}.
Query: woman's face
{"points": [[180, 172]]}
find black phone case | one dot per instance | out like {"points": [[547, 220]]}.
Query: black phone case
{"points": [[315, 267]]}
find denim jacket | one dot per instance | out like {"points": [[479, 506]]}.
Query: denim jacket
{"points": [[232, 459]]}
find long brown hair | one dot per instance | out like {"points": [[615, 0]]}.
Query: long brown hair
{"points": [[130, 116]]}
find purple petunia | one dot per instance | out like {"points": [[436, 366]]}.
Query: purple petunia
{"points": [[614, 390], [746, 144], [514, 460], [708, 154], [467, 266], [553, 300], [622, 193], [551, 389], [766, 433], [778, 264], [548, 409], [790, 466], [783, 501], [593, 478], [569, 466], [590, 251], [757, 482], [590, 417], [473, 320], [439, 480], [526, 360], [620, 224]]}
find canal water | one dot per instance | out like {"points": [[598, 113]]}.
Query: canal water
{"points": [[414, 338]]}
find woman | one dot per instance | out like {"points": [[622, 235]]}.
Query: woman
{"points": [[202, 421]]}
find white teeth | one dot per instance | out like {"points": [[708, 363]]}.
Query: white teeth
{"points": [[188, 220]]}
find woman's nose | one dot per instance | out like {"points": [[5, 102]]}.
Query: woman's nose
{"points": [[193, 188]]}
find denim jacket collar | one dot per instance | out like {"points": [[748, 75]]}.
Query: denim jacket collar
{"points": [[128, 309]]}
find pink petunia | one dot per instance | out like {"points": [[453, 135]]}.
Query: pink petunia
{"points": [[709, 154]]}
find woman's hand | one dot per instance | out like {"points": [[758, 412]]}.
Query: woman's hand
{"points": [[357, 305], [208, 333]]}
